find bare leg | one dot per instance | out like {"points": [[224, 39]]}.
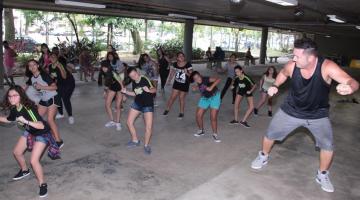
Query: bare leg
{"points": [[269, 103], [36, 154], [52, 110], [326, 158], [213, 118], [262, 100], [182, 101], [19, 151], [174, 95], [250, 109], [200, 118], [109, 98], [119, 97], [133, 114], [267, 145], [148, 118], [237, 107]]}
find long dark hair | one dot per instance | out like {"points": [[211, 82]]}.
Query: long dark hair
{"points": [[44, 45], [142, 61], [274, 74], [28, 73], [115, 58], [162, 52], [24, 100], [107, 75]]}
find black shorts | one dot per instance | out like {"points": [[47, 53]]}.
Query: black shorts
{"points": [[53, 101], [115, 87], [183, 87], [245, 94]]}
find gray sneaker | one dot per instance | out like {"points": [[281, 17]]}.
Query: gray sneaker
{"points": [[323, 179], [199, 133], [260, 161]]}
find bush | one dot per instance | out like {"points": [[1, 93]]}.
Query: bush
{"points": [[23, 58], [172, 47]]}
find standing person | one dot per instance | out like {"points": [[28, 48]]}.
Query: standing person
{"points": [[116, 64], [230, 69], [143, 90], [60, 55], [219, 56], [182, 70], [111, 49], [307, 104], [36, 132], [65, 83], [49, 99], [150, 67], [209, 58], [113, 86], [246, 87], [44, 60], [85, 65], [164, 68], [267, 80], [249, 57], [9, 63], [210, 98]]}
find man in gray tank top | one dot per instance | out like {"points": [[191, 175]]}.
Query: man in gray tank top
{"points": [[307, 104]]}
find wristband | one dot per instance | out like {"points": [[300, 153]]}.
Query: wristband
{"points": [[275, 86]]}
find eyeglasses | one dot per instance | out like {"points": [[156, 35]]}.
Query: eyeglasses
{"points": [[13, 96]]}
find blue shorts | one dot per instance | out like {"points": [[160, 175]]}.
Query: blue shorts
{"points": [[212, 102], [143, 109], [38, 138]]}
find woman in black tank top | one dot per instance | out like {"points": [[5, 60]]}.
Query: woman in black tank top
{"points": [[164, 68]]}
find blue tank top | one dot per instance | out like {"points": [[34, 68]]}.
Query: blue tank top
{"points": [[308, 98]]}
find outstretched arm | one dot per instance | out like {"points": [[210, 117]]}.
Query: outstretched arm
{"points": [[347, 85]]}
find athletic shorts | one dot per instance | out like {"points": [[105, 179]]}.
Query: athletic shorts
{"points": [[115, 87], [143, 109], [212, 102], [53, 101], [245, 94], [38, 138], [183, 87], [283, 124]]}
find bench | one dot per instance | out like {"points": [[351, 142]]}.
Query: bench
{"points": [[273, 57]]}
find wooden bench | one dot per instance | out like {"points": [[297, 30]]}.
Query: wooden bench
{"points": [[273, 57]]}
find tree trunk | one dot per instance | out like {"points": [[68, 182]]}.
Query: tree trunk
{"points": [[138, 43], [9, 24], [162, 29], [93, 32], [1, 54], [237, 41], [146, 30], [73, 24], [110, 34], [211, 37]]}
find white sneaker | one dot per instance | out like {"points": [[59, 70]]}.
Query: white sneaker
{"points": [[110, 124], [118, 126], [71, 120], [260, 161], [199, 133], [216, 138], [323, 179], [59, 116]]}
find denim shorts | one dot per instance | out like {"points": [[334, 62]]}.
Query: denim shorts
{"points": [[143, 109], [38, 138], [283, 124], [213, 102]]}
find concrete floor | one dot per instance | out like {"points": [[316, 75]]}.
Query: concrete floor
{"points": [[97, 165]]}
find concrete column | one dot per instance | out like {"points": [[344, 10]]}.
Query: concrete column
{"points": [[188, 37], [263, 48], [1, 52]]}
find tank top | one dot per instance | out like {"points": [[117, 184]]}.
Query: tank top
{"points": [[308, 98], [268, 81], [202, 87], [163, 64]]}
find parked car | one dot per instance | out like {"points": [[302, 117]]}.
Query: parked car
{"points": [[24, 45]]}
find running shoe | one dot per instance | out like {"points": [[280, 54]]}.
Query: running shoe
{"points": [[59, 116], [43, 190], [60, 144], [166, 112], [22, 174], [147, 150], [256, 111], [199, 133], [216, 138], [233, 122], [245, 124], [270, 113], [110, 124], [118, 126], [181, 115], [323, 179], [260, 161], [71, 120], [131, 144]]}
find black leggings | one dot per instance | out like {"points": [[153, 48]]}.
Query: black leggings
{"points": [[226, 87], [163, 77], [65, 94]]}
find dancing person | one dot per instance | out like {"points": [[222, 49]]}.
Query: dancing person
{"points": [[143, 90], [49, 98], [245, 86], [266, 81], [9, 63], [229, 68], [112, 90], [182, 70], [65, 83], [307, 104], [36, 136], [164, 68], [210, 98], [86, 68], [44, 59]]}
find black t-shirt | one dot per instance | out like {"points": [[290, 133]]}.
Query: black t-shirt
{"points": [[180, 73], [243, 85], [55, 74], [143, 98], [202, 88], [29, 114]]}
